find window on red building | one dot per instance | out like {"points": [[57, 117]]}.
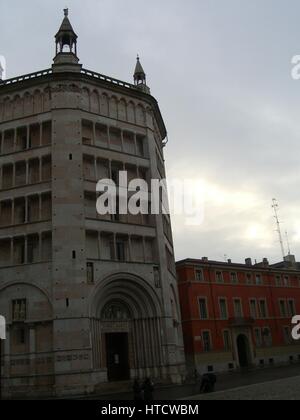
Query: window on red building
{"points": [[279, 281], [234, 278], [258, 337], [253, 308], [292, 309], [282, 308], [286, 281], [249, 278], [199, 276], [219, 277], [263, 312], [267, 337], [207, 347], [258, 280], [203, 309], [223, 309], [227, 340], [238, 310]]}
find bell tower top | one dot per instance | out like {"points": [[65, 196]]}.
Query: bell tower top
{"points": [[66, 44], [140, 77]]}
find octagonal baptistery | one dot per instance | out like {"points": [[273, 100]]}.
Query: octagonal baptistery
{"points": [[89, 300]]}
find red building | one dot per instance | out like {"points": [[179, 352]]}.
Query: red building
{"points": [[238, 315]]}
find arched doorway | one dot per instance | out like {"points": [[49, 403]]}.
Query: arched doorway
{"points": [[243, 351], [117, 343], [126, 329]]}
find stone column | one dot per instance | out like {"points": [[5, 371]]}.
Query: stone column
{"points": [[32, 352], [11, 251], [14, 175], [26, 209], [130, 248], [94, 134], [2, 142], [15, 140], [40, 245], [25, 249], [40, 207], [41, 134], [122, 141], [6, 358], [12, 211], [135, 144], [99, 246], [40, 169], [108, 137], [28, 137], [27, 173]]}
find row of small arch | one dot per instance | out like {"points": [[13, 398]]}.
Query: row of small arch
{"points": [[93, 101]]}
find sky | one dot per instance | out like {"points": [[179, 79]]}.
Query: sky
{"points": [[221, 72]]}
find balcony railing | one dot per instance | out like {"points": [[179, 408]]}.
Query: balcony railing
{"points": [[241, 322], [85, 72], [25, 77]]}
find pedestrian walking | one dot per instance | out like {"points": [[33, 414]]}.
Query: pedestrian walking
{"points": [[196, 377], [208, 383], [148, 388], [137, 391]]}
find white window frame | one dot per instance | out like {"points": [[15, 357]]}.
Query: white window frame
{"points": [[199, 270], [234, 274], [206, 306], [258, 329], [229, 340], [241, 303], [264, 300], [250, 308], [216, 277], [226, 305], [294, 307], [285, 315], [210, 341]]}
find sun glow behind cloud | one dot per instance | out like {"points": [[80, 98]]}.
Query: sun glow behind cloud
{"points": [[234, 219]]}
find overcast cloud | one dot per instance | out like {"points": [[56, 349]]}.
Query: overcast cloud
{"points": [[221, 71]]}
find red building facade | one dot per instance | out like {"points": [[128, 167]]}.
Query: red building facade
{"points": [[238, 315]]}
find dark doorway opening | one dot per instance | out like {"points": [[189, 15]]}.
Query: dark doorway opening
{"points": [[243, 351], [117, 357]]}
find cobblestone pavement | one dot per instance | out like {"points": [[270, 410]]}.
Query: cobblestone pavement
{"points": [[283, 389], [225, 382]]}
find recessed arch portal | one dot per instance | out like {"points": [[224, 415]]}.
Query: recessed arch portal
{"points": [[126, 328]]}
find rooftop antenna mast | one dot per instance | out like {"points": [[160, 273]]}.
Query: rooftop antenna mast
{"points": [[275, 207], [288, 242]]}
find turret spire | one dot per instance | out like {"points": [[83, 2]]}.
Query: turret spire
{"points": [[66, 45], [66, 37], [140, 77]]}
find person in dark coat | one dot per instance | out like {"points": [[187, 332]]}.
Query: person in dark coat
{"points": [[148, 389], [208, 383], [196, 376], [137, 391]]}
